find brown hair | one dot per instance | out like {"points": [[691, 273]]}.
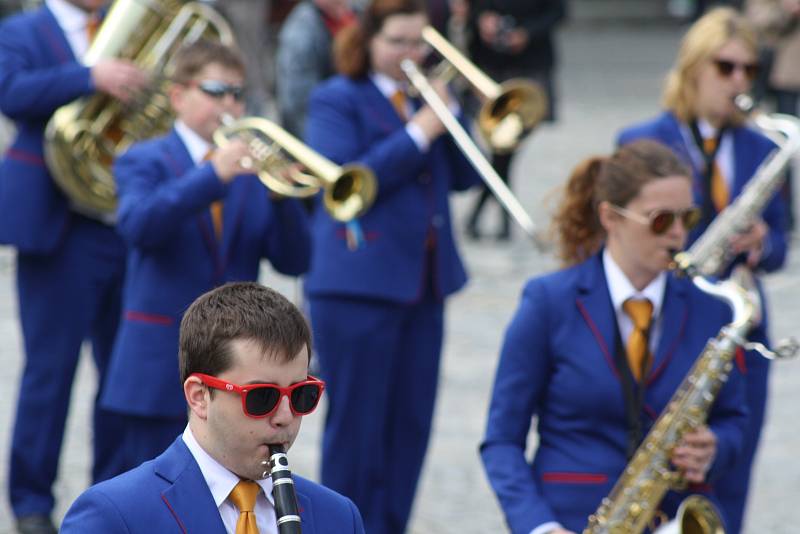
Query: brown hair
{"points": [[351, 45], [190, 59], [617, 179], [706, 36], [239, 310]]}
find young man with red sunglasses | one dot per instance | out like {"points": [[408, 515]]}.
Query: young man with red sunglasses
{"points": [[718, 61], [244, 352]]}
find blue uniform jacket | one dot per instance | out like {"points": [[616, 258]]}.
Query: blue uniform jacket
{"points": [[750, 149], [174, 257], [38, 74], [557, 364], [351, 121], [169, 494]]}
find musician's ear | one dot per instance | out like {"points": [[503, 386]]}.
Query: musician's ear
{"points": [[197, 396], [608, 217]]}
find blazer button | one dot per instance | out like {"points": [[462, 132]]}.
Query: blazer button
{"points": [[424, 178]]}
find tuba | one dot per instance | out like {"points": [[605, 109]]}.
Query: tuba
{"points": [[710, 254], [83, 137], [349, 191], [634, 500]]}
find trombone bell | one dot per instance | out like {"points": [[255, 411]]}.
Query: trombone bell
{"points": [[505, 119]]}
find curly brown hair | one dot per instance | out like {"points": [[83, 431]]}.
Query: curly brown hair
{"points": [[617, 179]]}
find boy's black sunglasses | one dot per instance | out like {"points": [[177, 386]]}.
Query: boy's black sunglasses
{"points": [[218, 89]]}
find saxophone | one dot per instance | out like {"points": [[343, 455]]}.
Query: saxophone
{"points": [[83, 137], [634, 500], [710, 254]]}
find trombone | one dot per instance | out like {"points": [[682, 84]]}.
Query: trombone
{"points": [[510, 110], [349, 191]]}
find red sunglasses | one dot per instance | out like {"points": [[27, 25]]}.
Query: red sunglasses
{"points": [[262, 400]]}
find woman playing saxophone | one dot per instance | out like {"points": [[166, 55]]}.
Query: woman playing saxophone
{"points": [[596, 350]]}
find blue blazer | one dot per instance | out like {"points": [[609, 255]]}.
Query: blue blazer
{"points": [[351, 121], [174, 257], [169, 494], [557, 364], [750, 149], [38, 74]]}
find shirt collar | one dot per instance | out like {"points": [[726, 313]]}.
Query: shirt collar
{"points": [[69, 16], [196, 145], [621, 288], [219, 479], [386, 85]]}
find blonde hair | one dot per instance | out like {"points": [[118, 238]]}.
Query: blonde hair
{"points": [[706, 36]]}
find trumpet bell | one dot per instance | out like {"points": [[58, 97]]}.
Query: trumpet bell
{"points": [[288, 167], [503, 121]]}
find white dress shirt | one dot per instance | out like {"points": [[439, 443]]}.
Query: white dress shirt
{"points": [[221, 482], [196, 145], [74, 22], [621, 289], [388, 87]]}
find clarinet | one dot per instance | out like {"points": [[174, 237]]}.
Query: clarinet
{"points": [[282, 491]]}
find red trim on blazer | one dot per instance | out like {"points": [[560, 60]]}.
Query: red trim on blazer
{"points": [[177, 519], [153, 318], [341, 233], [741, 363], [23, 155], [575, 478], [654, 373], [598, 336]]}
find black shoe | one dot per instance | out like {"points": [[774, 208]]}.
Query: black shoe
{"points": [[35, 524], [472, 232]]}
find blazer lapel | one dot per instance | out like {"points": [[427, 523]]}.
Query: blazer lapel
{"points": [[594, 305], [54, 36], [306, 516], [188, 498], [379, 108], [674, 314]]}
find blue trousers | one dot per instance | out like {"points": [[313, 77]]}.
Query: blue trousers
{"points": [[65, 297], [381, 364]]}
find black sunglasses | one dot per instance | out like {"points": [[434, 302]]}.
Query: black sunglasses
{"points": [[261, 400], [726, 68], [217, 89], [662, 220]]}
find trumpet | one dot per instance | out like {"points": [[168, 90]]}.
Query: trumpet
{"points": [[510, 110], [277, 158]]}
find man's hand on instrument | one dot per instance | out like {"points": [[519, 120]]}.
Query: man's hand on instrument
{"points": [[232, 160], [488, 26], [695, 453], [751, 241], [119, 78], [426, 119]]}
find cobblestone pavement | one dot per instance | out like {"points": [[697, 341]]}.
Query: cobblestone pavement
{"points": [[610, 76]]}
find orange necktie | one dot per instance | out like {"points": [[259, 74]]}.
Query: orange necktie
{"points": [[216, 206], [399, 102], [719, 189], [641, 313], [92, 25], [243, 497]]}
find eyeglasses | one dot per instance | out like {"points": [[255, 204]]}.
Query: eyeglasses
{"points": [[725, 68], [262, 400], [402, 42], [660, 221], [217, 89]]}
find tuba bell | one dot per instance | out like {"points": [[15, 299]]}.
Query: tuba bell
{"points": [[83, 137], [288, 167]]}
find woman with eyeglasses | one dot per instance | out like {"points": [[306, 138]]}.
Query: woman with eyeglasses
{"points": [[596, 350], [716, 62], [377, 285]]}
